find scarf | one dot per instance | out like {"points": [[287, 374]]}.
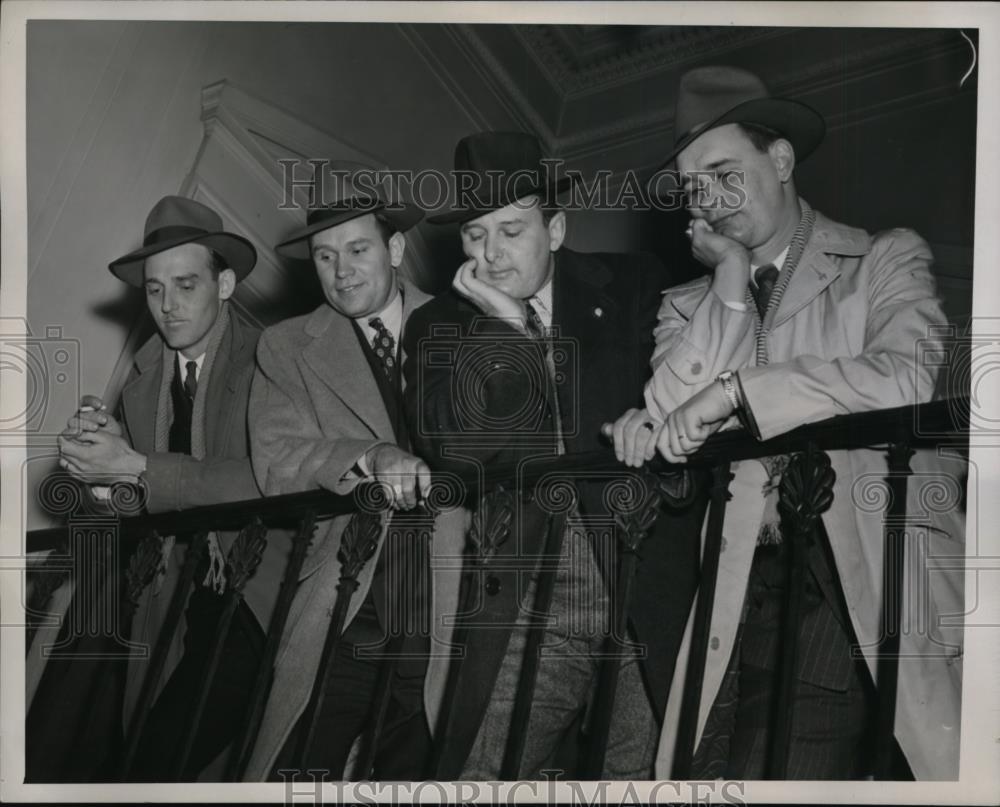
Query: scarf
{"points": [[215, 578], [770, 528]]}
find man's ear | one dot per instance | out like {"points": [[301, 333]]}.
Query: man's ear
{"points": [[397, 246], [227, 283], [783, 157], [557, 230]]}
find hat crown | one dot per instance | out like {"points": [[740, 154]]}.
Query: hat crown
{"points": [[505, 152], [705, 93], [335, 183], [179, 211]]}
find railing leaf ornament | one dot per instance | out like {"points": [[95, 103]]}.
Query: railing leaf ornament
{"points": [[358, 543], [142, 567], [806, 490], [46, 577], [245, 554], [639, 513], [491, 523]]}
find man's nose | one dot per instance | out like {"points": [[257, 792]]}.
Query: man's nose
{"points": [[168, 303], [493, 251], [344, 269]]}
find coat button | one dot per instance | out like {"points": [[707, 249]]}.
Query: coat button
{"points": [[696, 368], [722, 545], [714, 643], [492, 585]]}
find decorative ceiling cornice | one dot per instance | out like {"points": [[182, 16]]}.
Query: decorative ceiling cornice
{"points": [[657, 48]]}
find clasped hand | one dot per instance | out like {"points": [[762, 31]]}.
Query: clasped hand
{"points": [[637, 436], [92, 449]]}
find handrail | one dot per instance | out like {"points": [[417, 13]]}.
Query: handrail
{"points": [[948, 418]]}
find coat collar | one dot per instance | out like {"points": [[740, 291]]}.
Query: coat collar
{"points": [[336, 356], [817, 268]]}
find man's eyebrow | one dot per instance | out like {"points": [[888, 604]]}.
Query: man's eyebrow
{"points": [[189, 276]]}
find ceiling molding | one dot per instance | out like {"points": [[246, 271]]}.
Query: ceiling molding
{"points": [[909, 48], [661, 48]]}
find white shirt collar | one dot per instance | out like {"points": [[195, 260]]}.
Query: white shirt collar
{"points": [[541, 301], [391, 316], [184, 361], [779, 262]]}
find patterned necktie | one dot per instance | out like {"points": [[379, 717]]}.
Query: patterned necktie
{"points": [[766, 276], [536, 330], [384, 346], [533, 323], [191, 380]]}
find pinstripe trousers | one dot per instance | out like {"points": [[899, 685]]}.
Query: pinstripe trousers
{"points": [[833, 698]]}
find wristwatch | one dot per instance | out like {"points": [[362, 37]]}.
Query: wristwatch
{"points": [[729, 387]]}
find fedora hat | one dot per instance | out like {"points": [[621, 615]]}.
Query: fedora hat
{"points": [[713, 96], [345, 191], [176, 220], [503, 167]]}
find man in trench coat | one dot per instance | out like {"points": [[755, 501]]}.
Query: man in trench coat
{"points": [[802, 318]]}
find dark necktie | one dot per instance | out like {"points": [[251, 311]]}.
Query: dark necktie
{"points": [[765, 276], [191, 381], [384, 346]]}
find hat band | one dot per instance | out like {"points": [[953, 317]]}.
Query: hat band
{"points": [[172, 232]]}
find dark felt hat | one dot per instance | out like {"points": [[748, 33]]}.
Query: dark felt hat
{"points": [[713, 96], [347, 190], [495, 169], [176, 220]]}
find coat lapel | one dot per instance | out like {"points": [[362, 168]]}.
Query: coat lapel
{"points": [[583, 313], [231, 359], [338, 360], [816, 269], [139, 396]]}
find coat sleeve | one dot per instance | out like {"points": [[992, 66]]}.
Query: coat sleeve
{"points": [[291, 450], [175, 481], [481, 395], [697, 337], [178, 481], [903, 309]]}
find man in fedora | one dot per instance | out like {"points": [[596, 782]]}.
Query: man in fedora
{"points": [[532, 349], [326, 413], [180, 434], [801, 318]]}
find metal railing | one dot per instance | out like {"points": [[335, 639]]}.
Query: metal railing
{"points": [[805, 492]]}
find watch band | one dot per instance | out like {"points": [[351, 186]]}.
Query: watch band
{"points": [[729, 387]]}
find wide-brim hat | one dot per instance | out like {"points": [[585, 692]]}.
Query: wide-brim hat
{"points": [[496, 169], [176, 220], [714, 96], [342, 191]]}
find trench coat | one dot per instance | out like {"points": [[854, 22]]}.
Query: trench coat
{"points": [[849, 335], [315, 410]]}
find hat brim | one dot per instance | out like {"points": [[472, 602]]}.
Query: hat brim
{"points": [[798, 123], [461, 215], [238, 252], [402, 216]]}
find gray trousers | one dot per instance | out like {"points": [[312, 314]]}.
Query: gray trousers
{"points": [[567, 676]]}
